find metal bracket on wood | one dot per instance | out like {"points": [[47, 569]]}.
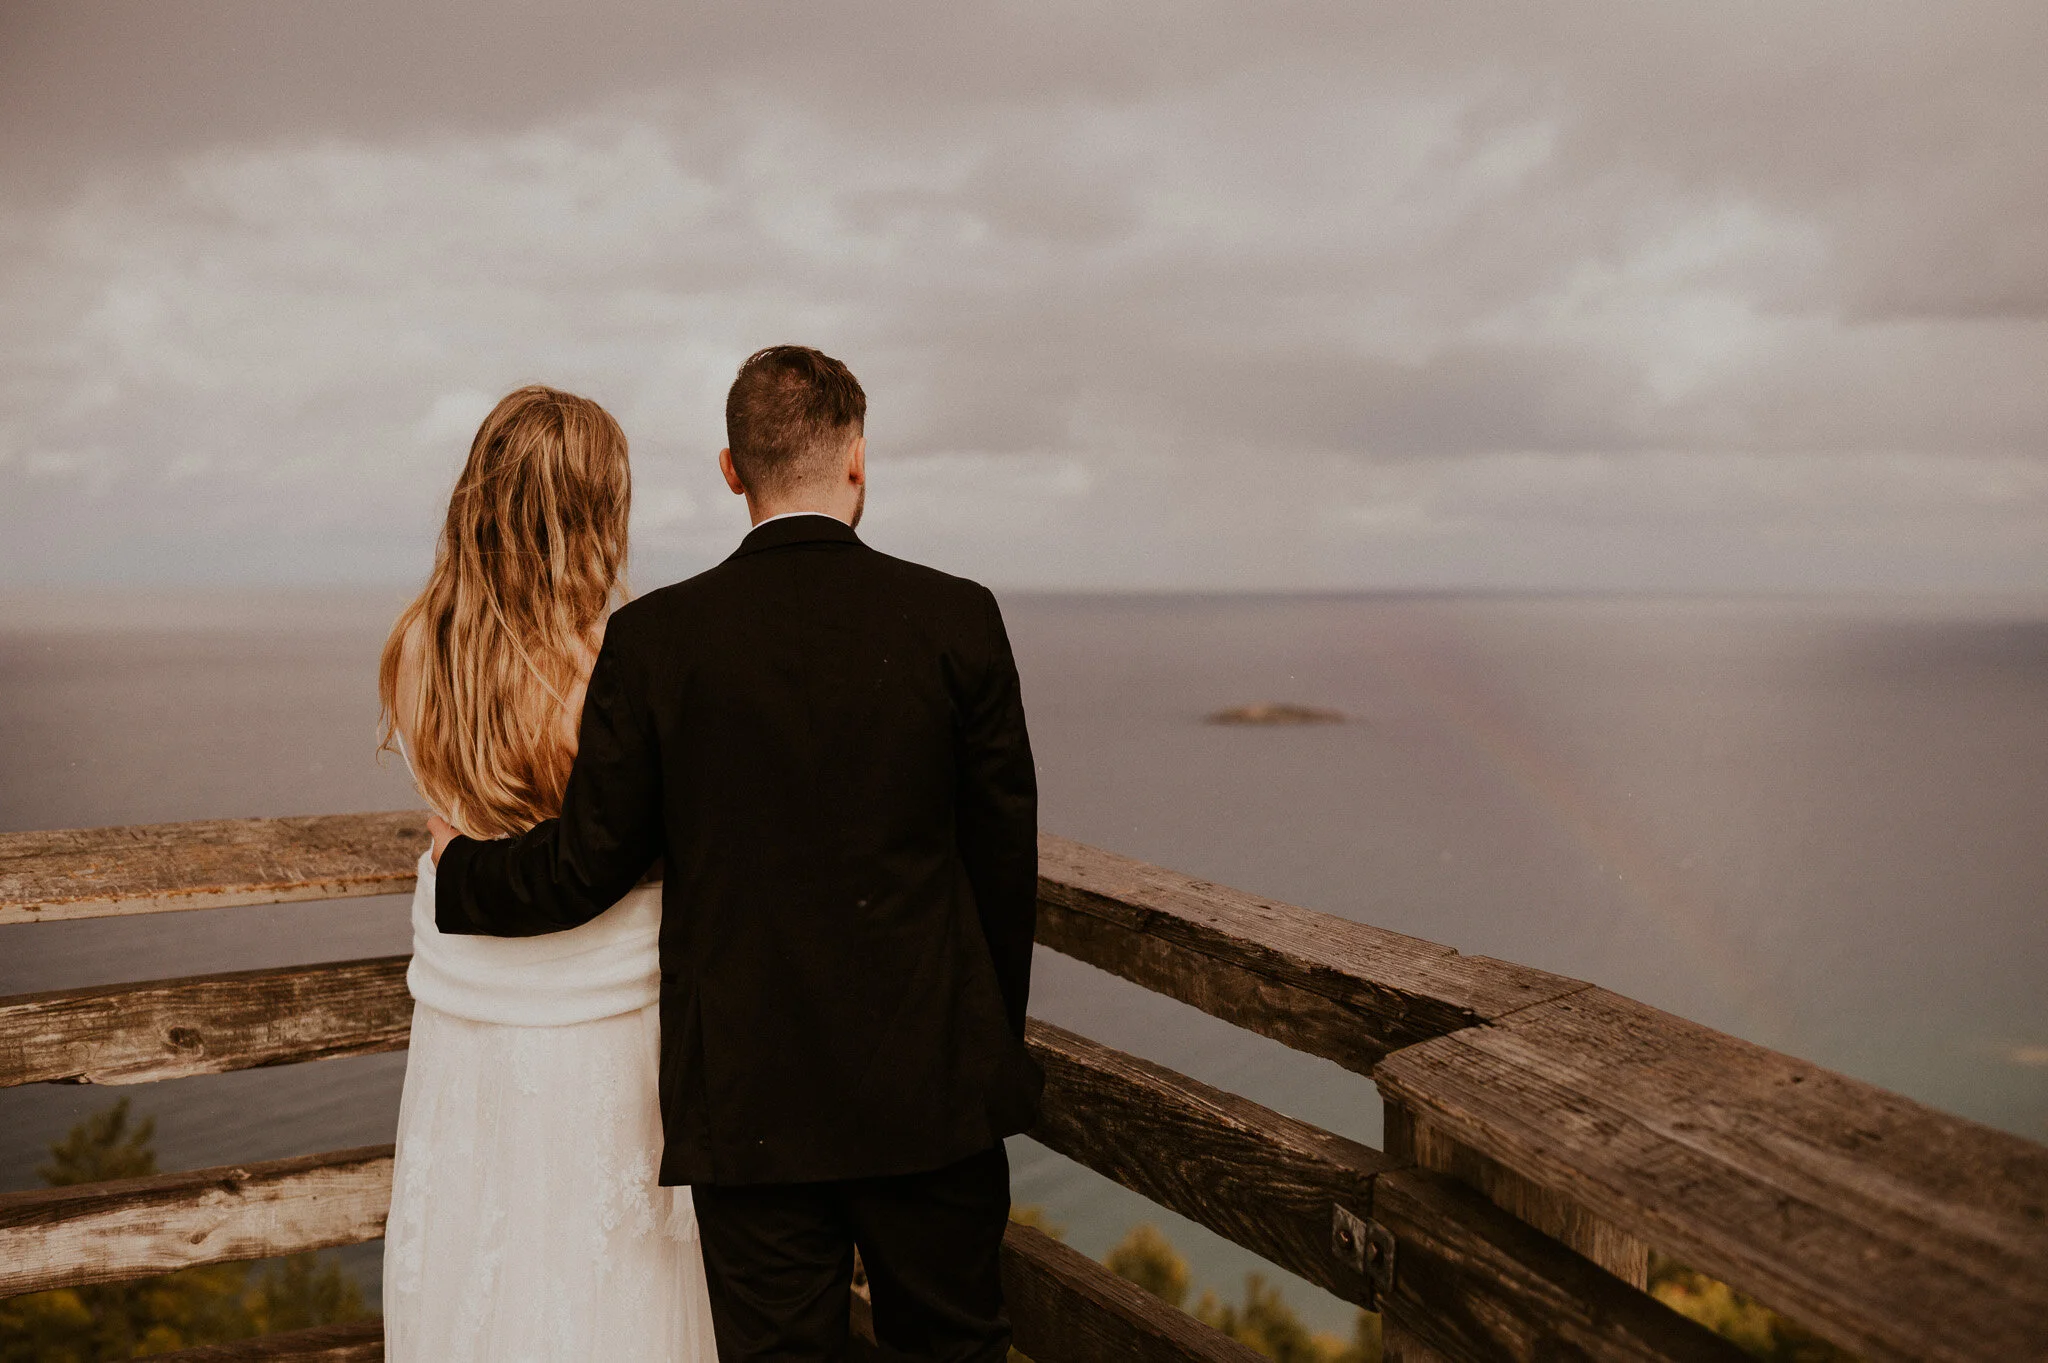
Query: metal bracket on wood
{"points": [[1366, 1246]]}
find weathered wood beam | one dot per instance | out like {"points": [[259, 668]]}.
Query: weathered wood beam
{"points": [[1253, 1176], [138, 1227], [1066, 1308], [1468, 1277], [1832, 1200], [205, 1024], [1334, 988], [357, 1342], [1897, 1231], [1414, 1141], [152, 868], [1476, 1285], [1324, 985], [1342, 990], [1400, 1345]]}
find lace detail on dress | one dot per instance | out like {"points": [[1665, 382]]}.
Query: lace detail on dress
{"points": [[527, 1223]]}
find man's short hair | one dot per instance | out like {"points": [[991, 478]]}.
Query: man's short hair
{"points": [[790, 407]]}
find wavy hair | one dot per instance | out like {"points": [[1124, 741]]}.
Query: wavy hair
{"points": [[482, 678]]}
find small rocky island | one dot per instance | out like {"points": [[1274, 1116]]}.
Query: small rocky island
{"points": [[1276, 712]]}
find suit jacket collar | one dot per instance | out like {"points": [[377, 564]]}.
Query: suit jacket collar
{"points": [[796, 530]]}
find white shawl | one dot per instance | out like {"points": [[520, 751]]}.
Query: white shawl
{"points": [[610, 965]]}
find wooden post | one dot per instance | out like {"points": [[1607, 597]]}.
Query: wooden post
{"points": [[1413, 1141]]}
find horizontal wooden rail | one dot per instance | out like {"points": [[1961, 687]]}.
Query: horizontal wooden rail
{"points": [[1901, 1232], [1896, 1230], [1066, 1308], [154, 868], [1466, 1275], [138, 1227], [1253, 1176], [1323, 985], [1846, 1206], [358, 1342], [1263, 1180], [1342, 990], [205, 1024]]}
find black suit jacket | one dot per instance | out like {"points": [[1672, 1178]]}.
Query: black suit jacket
{"points": [[827, 747]]}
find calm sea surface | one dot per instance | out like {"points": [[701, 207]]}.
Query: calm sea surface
{"points": [[1819, 825]]}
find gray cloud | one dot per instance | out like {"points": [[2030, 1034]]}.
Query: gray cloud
{"points": [[1307, 295]]}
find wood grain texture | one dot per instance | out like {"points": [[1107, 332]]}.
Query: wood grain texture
{"points": [[1413, 1141], [205, 1024], [153, 868], [1398, 1344], [1325, 985], [137, 1227], [1270, 1184], [1897, 1231], [1066, 1308], [359, 1342], [1478, 1286], [1253, 1176]]}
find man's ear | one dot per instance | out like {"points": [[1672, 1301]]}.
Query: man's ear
{"points": [[857, 461], [732, 475]]}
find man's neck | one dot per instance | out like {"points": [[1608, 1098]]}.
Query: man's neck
{"points": [[802, 511]]}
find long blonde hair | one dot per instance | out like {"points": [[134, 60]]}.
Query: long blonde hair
{"points": [[483, 675]]}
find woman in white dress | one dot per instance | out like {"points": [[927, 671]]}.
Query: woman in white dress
{"points": [[527, 1222]]}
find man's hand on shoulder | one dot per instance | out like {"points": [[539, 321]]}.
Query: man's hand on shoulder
{"points": [[443, 833]]}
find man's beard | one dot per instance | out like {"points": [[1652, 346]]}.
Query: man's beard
{"points": [[860, 504]]}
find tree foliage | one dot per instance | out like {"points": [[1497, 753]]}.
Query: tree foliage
{"points": [[1263, 1320], [1034, 1216], [1748, 1324], [211, 1304], [102, 1147], [1147, 1258]]}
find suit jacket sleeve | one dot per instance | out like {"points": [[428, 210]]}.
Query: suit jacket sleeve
{"points": [[566, 871], [997, 813]]}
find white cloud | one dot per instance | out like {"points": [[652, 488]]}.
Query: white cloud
{"points": [[1364, 301]]}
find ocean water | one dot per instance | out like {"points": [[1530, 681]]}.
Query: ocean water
{"points": [[1818, 824]]}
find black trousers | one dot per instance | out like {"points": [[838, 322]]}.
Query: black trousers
{"points": [[780, 1260]]}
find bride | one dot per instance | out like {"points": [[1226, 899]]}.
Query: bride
{"points": [[527, 1222]]}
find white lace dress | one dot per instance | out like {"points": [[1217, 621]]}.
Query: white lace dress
{"points": [[526, 1224]]}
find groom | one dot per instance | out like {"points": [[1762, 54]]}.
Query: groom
{"points": [[826, 747]]}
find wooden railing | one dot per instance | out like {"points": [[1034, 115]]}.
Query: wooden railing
{"points": [[1544, 1135]]}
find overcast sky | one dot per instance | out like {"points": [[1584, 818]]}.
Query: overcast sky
{"points": [[1698, 296]]}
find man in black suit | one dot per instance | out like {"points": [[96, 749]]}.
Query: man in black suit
{"points": [[826, 747]]}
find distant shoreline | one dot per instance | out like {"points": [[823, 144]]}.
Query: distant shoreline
{"points": [[88, 609], [65, 609]]}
